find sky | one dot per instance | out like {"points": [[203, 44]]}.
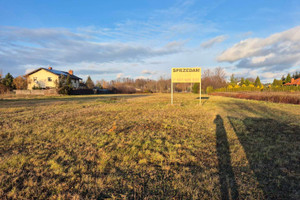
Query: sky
{"points": [[146, 38]]}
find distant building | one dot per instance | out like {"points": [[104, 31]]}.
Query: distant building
{"points": [[48, 77], [295, 82]]}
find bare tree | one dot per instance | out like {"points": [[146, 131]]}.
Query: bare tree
{"points": [[219, 78], [215, 78]]}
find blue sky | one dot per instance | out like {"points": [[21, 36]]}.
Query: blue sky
{"points": [[145, 39]]}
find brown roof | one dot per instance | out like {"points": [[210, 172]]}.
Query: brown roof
{"points": [[294, 82]]}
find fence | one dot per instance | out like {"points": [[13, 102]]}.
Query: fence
{"points": [[36, 92], [54, 92]]}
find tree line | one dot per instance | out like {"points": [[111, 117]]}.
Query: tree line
{"points": [[211, 79], [8, 83], [215, 78], [286, 79]]}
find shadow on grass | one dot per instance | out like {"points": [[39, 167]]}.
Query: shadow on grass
{"points": [[202, 98], [272, 150], [228, 184], [206, 98]]}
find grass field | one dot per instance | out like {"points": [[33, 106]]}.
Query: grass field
{"points": [[141, 147]]}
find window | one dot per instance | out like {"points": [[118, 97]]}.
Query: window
{"points": [[34, 79], [49, 79]]}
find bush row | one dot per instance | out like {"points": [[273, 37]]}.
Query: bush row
{"points": [[264, 96], [257, 89]]}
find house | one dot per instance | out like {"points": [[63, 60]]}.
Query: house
{"points": [[48, 78], [295, 82]]}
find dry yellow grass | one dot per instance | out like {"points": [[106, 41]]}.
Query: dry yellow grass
{"points": [[116, 147]]}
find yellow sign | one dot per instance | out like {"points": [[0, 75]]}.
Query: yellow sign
{"points": [[186, 75]]}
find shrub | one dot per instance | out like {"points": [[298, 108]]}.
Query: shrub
{"points": [[276, 97], [253, 88], [37, 87], [64, 85], [64, 90], [124, 89], [148, 91], [209, 89], [3, 89], [195, 88]]}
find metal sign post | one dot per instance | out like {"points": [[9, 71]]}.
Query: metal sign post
{"points": [[186, 75], [200, 91], [171, 92]]}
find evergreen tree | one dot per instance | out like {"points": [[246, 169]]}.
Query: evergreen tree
{"points": [[8, 81], [64, 85], [242, 82], [89, 83], [68, 81], [277, 82], [233, 80], [257, 82], [247, 82], [283, 79], [296, 75], [195, 88], [288, 78], [61, 81]]}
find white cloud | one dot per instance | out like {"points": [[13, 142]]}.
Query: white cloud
{"points": [[141, 77], [120, 75], [96, 72], [261, 59], [211, 42], [58, 47], [156, 41], [276, 52], [148, 72], [29, 70], [271, 75]]}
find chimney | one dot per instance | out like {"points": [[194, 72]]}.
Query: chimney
{"points": [[50, 68], [292, 80], [71, 72]]}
